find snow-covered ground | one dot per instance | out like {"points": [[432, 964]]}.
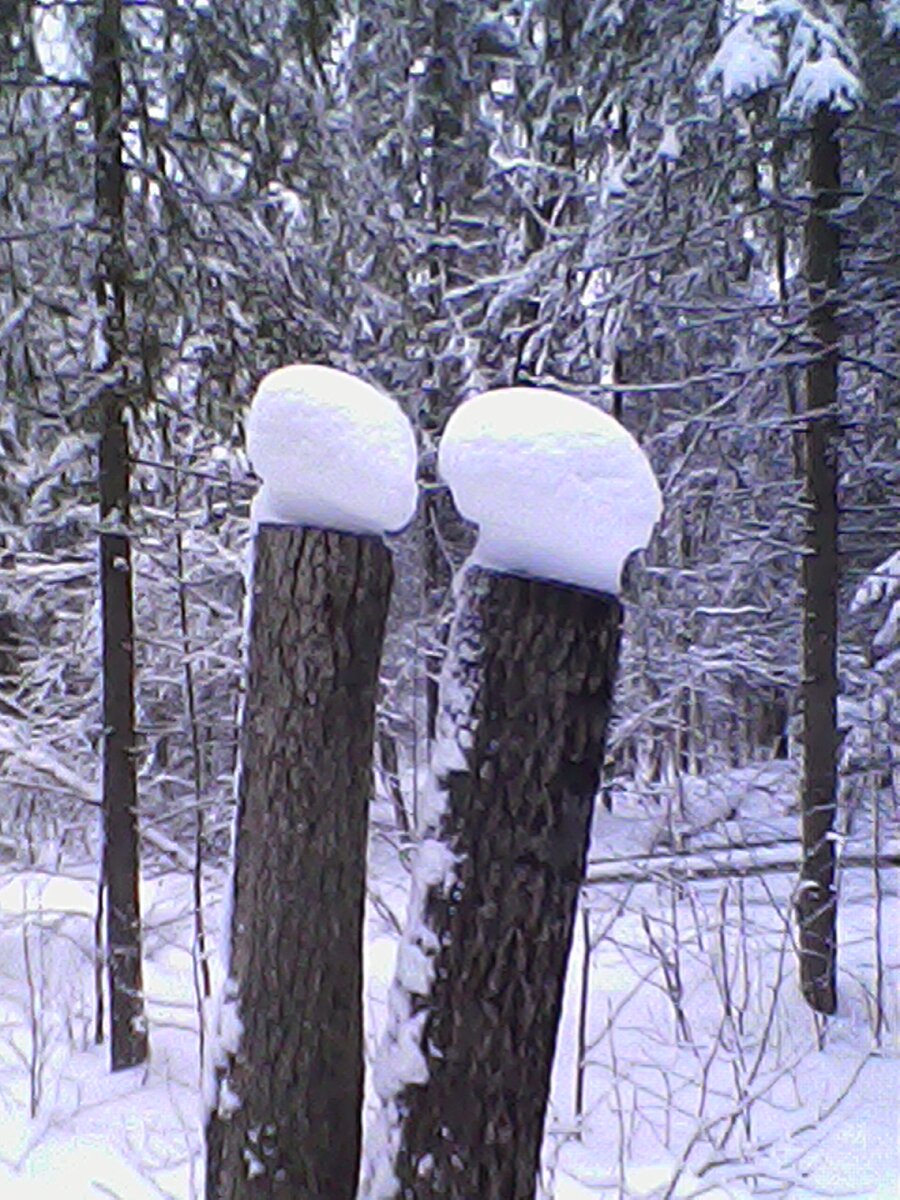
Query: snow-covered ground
{"points": [[704, 1074], [67, 1127]]}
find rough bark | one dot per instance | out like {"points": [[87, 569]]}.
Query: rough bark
{"points": [[318, 612], [816, 900], [519, 819], [121, 859]]}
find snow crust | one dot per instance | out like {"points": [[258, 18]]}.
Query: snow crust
{"points": [[559, 490], [332, 452]]}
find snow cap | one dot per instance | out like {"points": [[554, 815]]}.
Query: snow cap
{"points": [[332, 451], [559, 489]]}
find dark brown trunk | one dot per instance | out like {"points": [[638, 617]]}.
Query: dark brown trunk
{"points": [[121, 858], [816, 900], [318, 612], [519, 819]]}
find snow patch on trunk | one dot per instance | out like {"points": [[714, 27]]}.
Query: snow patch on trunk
{"points": [[400, 1061], [221, 1016]]}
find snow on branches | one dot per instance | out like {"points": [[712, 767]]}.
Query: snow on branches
{"points": [[784, 44]]}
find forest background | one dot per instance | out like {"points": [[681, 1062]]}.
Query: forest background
{"points": [[608, 198]]}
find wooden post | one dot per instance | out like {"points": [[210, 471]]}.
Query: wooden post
{"points": [[538, 660], [289, 1094]]}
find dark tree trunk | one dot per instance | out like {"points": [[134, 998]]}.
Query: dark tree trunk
{"points": [[816, 901], [121, 858], [318, 613], [519, 818], [9, 649]]}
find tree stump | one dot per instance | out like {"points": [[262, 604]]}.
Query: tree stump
{"points": [[527, 693], [289, 1096]]}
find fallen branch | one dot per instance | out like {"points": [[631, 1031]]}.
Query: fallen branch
{"points": [[669, 868]]}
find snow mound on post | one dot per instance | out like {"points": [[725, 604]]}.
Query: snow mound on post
{"points": [[559, 489], [332, 451]]}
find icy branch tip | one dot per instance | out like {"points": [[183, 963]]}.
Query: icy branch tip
{"points": [[559, 490], [332, 451]]}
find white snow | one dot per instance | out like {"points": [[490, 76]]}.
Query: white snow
{"points": [[818, 66], [559, 490], [822, 81], [332, 452], [881, 590], [614, 184], [890, 18], [747, 60], [224, 1030], [222, 1024], [669, 148], [130, 1135], [399, 1061], [658, 1112], [882, 585], [889, 633]]}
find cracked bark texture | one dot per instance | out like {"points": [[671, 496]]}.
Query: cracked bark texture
{"points": [[318, 613], [519, 818]]}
